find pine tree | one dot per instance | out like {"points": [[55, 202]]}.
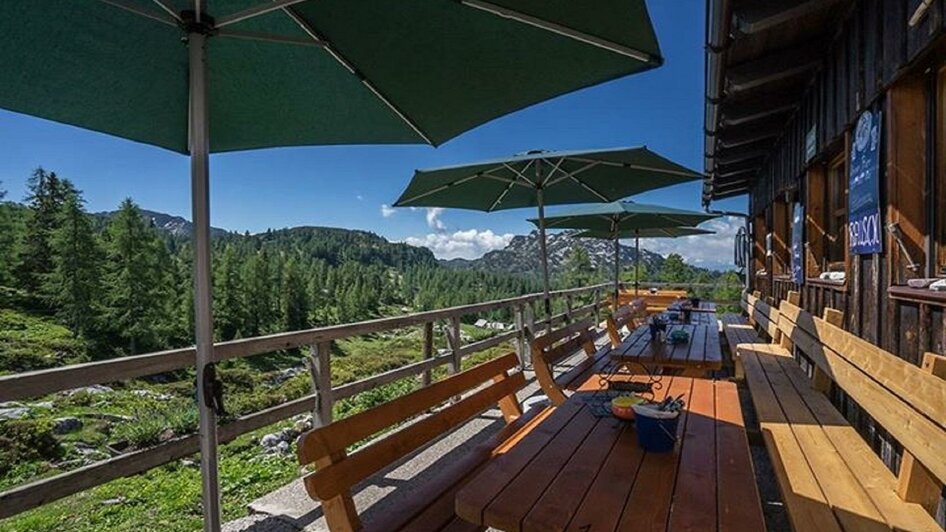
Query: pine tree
{"points": [[46, 195], [7, 240], [674, 270], [74, 283], [229, 314], [295, 299], [134, 306]]}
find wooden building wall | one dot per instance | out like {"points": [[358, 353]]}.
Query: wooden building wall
{"points": [[876, 61]]}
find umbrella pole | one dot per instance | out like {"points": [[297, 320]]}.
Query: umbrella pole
{"points": [[617, 270], [545, 258], [203, 310], [637, 262]]}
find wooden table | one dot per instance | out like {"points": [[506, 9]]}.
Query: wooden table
{"points": [[576, 471], [702, 353]]}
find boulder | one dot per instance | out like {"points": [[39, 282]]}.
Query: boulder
{"points": [[269, 441], [65, 425], [14, 412]]}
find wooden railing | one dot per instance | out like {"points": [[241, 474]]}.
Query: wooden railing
{"points": [[320, 402]]}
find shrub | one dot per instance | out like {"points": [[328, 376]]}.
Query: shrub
{"points": [[24, 440]]}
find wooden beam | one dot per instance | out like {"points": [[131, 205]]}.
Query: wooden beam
{"points": [[760, 16], [743, 135], [916, 483], [772, 68], [754, 111]]}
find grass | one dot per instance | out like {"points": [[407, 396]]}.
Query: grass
{"points": [[168, 497], [28, 343]]}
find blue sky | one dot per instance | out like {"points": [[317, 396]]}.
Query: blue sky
{"points": [[347, 186]]}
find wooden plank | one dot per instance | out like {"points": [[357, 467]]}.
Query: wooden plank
{"points": [[333, 480], [807, 507], [924, 391], [738, 500], [867, 467], [564, 494], [513, 502], [851, 505], [473, 499], [915, 482], [344, 432], [605, 500], [648, 505], [694, 497]]}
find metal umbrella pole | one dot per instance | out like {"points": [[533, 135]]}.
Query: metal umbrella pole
{"points": [[203, 311], [542, 249], [637, 261], [617, 269]]}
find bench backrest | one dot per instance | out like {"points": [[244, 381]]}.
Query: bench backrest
{"points": [[763, 315], [907, 400], [336, 472], [551, 348], [625, 315]]}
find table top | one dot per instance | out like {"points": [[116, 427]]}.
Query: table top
{"points": [[702, 352], [576, 471]]}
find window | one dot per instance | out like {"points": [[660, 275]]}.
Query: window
{"points": [[781, 238], [826, 218], [836, 226]]}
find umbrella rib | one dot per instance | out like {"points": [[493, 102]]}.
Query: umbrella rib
{"points": [[168, 9], [141, 11], [255, 11], [587, 187], [561, 30], [591, 164], [437, 189], [488, 175], [268, 37], [340, 59], [521, 175], [501, 196], [555, 168]]}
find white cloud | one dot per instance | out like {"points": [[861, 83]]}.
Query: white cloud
{"points": [[709, 251], [387, 211], [433, 218], [469, 244], [359, 197]]}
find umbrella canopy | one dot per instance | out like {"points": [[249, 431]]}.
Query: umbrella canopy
{"points": [[666, 232], [538, 178], [299, 72], [624, 215], [637, 234], [292, 72], [628, 217]]}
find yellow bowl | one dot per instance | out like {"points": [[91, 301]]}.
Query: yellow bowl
{"points": [[623, 407]]}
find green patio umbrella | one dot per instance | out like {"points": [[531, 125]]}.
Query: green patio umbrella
{"points": [[615, 217], [539, 178], [637, 235], [261, 73]]}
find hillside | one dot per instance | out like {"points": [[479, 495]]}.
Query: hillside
{"points": [[522, 254]]}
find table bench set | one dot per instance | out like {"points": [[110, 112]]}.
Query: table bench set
{"points": [[565, 465]]}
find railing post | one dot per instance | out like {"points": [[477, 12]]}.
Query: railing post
{"points": [[597, 301], [426, 378], [320, 366], [524, 340], [453, 337], [568, 308], [530, 317]]}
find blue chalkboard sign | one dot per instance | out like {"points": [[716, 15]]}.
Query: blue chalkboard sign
{"points": [[798, 243], [864, 218]]}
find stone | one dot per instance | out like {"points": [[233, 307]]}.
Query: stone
{"points": [[65, 425], [283, 447], [151, 395], [269, 441], [14, 412], [95, 389], [112, 502], [42, 404]]}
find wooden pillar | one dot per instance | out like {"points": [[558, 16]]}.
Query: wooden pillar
{"points": [[320, 366], [453, 337], [426, 377], [568, 308], [915, 483]]}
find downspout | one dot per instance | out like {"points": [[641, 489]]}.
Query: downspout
{"points": [[718, 16]]}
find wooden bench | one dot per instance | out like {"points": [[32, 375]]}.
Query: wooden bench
{"points": [[630, 316], [829, 476], [656, 302], [560, 344], [742, 336], [431, 506]]}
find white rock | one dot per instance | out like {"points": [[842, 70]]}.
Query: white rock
{"points": [[269, 440], [15, 412], [283, 447]]}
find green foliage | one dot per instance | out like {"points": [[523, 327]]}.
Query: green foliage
{"points": [[578, 269], [28, 343], [74, 282], [152, 425], [674, 270], [35, 255], [26, 440]]}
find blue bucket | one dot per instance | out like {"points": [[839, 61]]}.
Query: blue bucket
{"points": [[655, 435]]}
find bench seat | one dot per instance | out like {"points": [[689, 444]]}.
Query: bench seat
{"points": [[431, 507], [418, 419], [829, 477]]}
